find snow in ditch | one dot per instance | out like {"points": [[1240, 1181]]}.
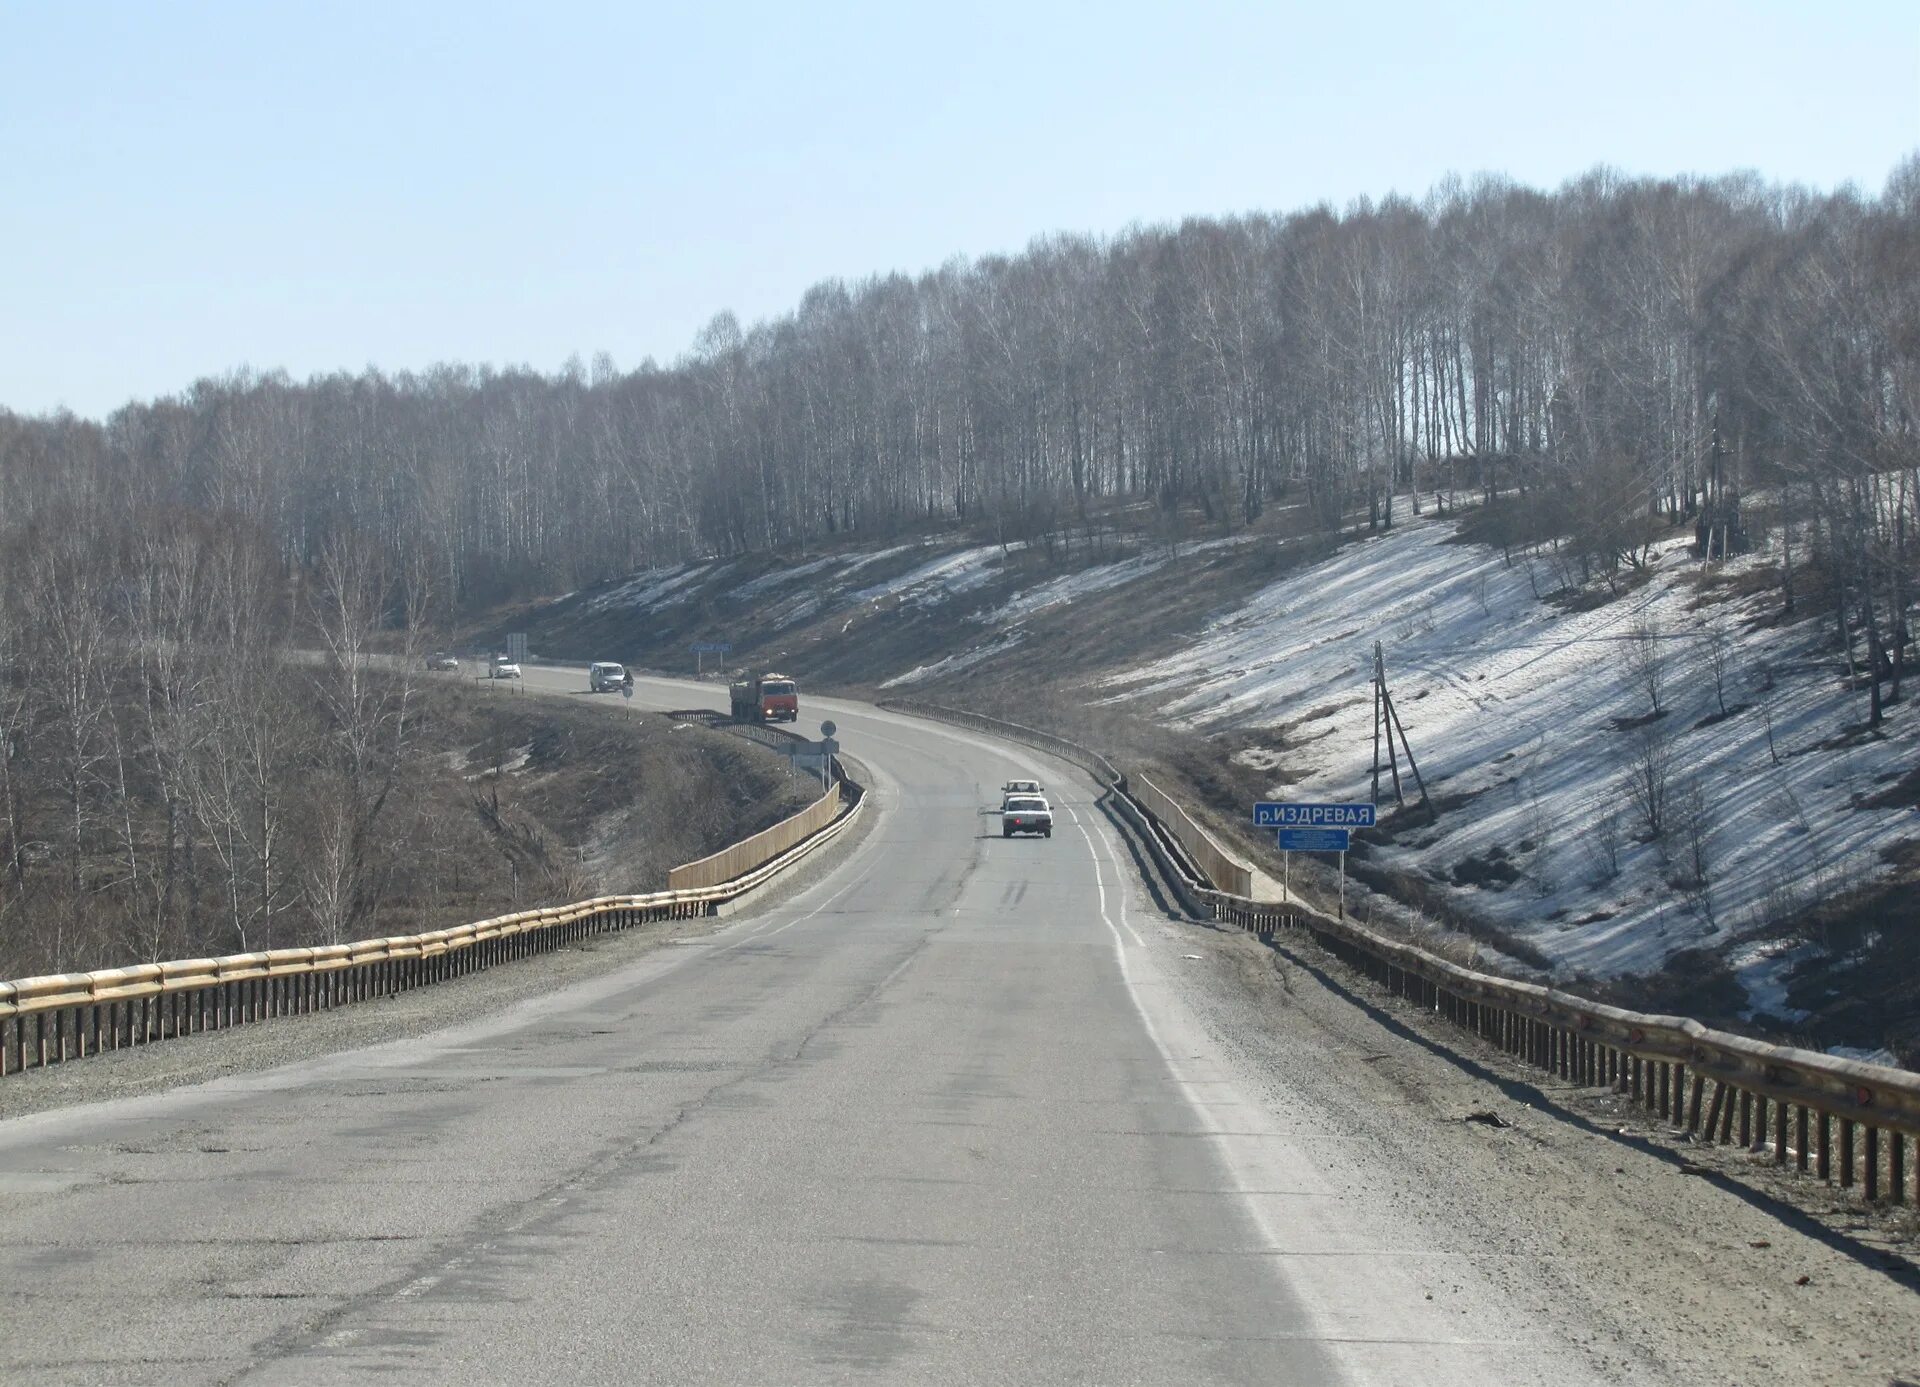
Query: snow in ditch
{"points": [[516, 759], [1512, 703], [1765, 970]]}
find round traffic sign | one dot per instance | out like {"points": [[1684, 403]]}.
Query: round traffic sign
{"points": [[827, 729], [626, 691]]}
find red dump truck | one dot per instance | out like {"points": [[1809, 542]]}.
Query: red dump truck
{"points": [[765, 698]]}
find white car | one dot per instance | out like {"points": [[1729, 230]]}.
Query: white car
{"points": [[506, 669], [1025, 814], [605, 676], [1023, 787]]}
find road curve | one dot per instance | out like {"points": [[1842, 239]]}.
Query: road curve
{"points": [[941, 1117]]}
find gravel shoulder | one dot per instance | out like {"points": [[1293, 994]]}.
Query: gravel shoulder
{"points": [[1568, 1200]]}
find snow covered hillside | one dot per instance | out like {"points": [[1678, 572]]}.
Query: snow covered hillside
{"points": [[1535, 728], [889, 617]]}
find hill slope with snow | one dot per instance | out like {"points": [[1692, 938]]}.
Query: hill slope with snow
{"points": [[1534, 725], [1530, 708]]}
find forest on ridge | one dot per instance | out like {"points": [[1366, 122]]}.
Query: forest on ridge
{"points": [[1587, 345]]}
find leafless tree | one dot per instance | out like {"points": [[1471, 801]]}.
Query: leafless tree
{"points": [[1647, 757], [1693, 820], [1718, 648], [1604, 846], [1646, 660]]}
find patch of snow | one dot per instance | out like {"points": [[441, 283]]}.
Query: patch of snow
{"points": [[1259, 758], [1762, 969], [953, 664], [1854, 1052], [516, 760], [790, 611], [654, 588], [1064, 589], [781, 577], [1085, 582], [860, 561], [938, 580]]}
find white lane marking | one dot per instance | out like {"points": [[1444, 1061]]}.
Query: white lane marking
{"points": [[1101, 885]]}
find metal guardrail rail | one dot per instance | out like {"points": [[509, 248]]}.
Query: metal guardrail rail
{"points": [[743, 856], [1848, 1122], [1227, 872], [67, 1016]]}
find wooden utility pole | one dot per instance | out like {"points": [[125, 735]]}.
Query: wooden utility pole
{"points": [[1381, 709], [1384, 712], [1376, 723]]}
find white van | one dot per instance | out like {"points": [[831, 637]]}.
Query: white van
{"points": [[605, 676]]}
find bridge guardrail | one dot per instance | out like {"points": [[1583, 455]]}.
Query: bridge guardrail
{"points": [[67, 1016], [1846, 1121], [743, 856], [1218, 866]]}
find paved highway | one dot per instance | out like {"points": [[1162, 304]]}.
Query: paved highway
{"points": [[945, 1116]]}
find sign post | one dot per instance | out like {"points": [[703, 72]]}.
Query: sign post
{"points": [[1312, 828], [811, 756], [702, 649], [626, 692]]}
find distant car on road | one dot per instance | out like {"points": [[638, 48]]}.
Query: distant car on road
{"points": [[605, 676], [1023, 787], [506, 669], [440, 660], [1025, 814]]}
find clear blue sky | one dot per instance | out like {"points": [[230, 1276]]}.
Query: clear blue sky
{"points": [[192, 187]]}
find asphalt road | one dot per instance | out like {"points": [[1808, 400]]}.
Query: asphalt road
{"points": [[944, 1116]]}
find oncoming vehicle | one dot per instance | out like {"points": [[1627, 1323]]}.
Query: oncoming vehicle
{"points": [[1025, 814], [605, 676], [765, 698], [505, 669], [1023, 787], [441, 660]]}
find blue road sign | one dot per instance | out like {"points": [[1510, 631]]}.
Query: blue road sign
{"points": [[1313, 839], [1267, 814], [711, 647]]}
